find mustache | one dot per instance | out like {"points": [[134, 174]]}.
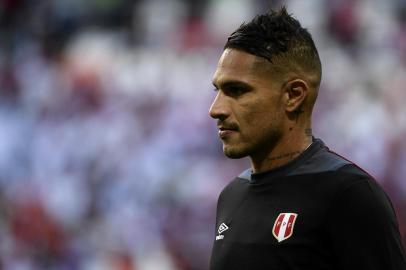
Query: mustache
{"points": [[227, 125]]}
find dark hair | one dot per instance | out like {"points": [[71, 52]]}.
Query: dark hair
{"points": [[274, 35]]}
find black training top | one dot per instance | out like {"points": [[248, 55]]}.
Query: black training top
{"points": [[319, 211]]}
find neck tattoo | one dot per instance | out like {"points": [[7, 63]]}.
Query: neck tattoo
{"points": [[289, 155], [308, 132]]}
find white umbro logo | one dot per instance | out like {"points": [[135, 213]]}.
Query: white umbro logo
{"points": [[223, 227]]}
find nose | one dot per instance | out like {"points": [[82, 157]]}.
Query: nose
{"points": [[218, 109]]}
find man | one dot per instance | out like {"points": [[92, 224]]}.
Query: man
{"points": [[300, 206]]}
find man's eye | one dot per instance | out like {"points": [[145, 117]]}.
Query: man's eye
{"points": [[237, 90]]}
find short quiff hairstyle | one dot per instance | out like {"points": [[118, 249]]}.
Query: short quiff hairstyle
{"points": [[279, 38]]}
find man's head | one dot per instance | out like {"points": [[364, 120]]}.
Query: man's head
{"points": [[280, 39], [267, 80]]}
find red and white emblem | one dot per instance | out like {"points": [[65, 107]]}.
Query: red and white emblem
{"points": [[283, 226]]}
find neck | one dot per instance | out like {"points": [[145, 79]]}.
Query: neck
{"points": [[287, 148]]}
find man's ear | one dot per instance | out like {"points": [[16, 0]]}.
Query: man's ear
{"points": [[295, 92]]}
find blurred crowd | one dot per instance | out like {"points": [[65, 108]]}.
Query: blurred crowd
{"points": [[108, 158]]}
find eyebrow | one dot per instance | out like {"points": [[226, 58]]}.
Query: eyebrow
{"points": [[232, 83]]}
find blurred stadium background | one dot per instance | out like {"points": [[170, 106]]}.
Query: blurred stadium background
{"points": [[108, 159]]}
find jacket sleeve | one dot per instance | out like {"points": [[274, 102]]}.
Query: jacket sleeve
{"points": [[363, 229]]}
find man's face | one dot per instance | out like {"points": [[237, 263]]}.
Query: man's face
{"points": [[248, 104]]}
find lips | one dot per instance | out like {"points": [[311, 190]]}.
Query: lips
{"points": [[225, 131]]}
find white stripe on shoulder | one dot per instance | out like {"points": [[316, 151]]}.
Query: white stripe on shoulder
{"points": [[246, 174]]}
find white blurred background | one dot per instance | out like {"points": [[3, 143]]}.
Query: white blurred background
{"points": [[108, 158]]}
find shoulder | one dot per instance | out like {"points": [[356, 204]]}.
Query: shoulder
{"points": [[360, 199], [349, 186], [234, 189], [361, 220], [362, 190], [357, 191], [324, 160]]}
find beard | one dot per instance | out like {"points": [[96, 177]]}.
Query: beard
{"points": [[258, 147], [234, 152]]}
